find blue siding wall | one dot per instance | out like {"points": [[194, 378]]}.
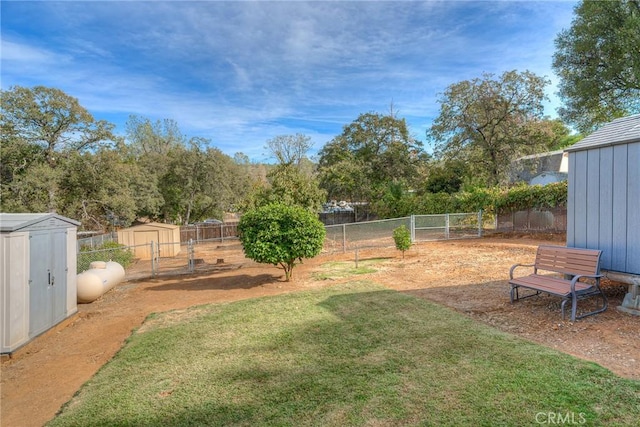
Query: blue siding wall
{"points": [[633, 209], [605, 225], [603, 209], [619, 215]]}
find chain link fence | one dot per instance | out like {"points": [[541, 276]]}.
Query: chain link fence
{"points": [[95, 242], [347, 237], [547, 220], [221, 249]]}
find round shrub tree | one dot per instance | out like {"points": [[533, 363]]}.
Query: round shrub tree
{"points": [[279, 234]]}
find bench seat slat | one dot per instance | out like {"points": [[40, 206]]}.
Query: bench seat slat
{"points": [[568, 260], [549, 284]]}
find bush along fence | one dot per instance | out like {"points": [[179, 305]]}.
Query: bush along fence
{"points": [[347, 237]]}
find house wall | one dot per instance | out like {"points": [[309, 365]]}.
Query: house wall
{"points": [[603, 206]]}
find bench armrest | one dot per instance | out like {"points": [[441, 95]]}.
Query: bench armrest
{"points": [[579, 276], [513, 268]]}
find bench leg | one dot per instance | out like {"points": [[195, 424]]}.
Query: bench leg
{"points": [[574, 306], [564, 302], [605, 304]]}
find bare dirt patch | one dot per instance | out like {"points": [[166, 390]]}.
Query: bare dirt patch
{"points": [[469, 276]]}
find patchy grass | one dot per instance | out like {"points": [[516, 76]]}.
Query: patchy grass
{"points": [[341, 269], [354, 354]]}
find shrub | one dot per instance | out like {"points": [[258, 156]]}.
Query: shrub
{"points": [[279, 234], [108, 251], [402, 237]]}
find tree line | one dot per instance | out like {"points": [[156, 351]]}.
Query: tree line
{"points": [[55, 156]]}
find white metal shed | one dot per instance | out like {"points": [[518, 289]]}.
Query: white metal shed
{"points": [[37, 275], [603, 206]]}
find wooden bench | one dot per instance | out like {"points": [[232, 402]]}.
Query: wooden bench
{"points": [[570, 265]]}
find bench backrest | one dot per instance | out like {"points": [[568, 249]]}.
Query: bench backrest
{"points": [[568, 260]]}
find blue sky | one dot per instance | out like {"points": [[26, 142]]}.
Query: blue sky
{"points": [[240, 73]]}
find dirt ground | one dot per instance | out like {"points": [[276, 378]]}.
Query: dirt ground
{"points": [[469, 276]]}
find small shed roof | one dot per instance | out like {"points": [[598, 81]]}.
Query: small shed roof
{"points": [[16, 221], [153, 225], [620, 131]]}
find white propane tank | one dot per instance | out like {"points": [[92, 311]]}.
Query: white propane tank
{"points": [[95, 282]]}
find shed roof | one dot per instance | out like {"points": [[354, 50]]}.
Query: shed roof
{"points": [[17, 221], [620, 131], [153, 225]]}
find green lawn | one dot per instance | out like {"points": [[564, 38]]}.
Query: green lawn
{"points": [[355, 354]]}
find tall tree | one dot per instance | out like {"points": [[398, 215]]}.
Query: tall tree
{"points": [[99, 188], [289, 149], [47, 123], [292, 180], [289, 185], [598, 62], [157, 137], [152, 146], [371, 152], [488, 122], [201, 182]]}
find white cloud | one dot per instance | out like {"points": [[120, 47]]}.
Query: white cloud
{"points": [[240, 73]]}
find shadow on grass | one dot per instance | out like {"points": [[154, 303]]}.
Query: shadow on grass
{"points": [[349, 355], [241, 281]]}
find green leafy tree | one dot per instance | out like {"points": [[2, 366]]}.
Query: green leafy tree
{"points": [[446, 177], [201, 182], [287, 184], [159, 137], [281, 235], [598, 62], [152, 146], [371, 152], [293, 180], [402, 238], [489, 122], [99, 189], [289, 149], [41, 127], [396, 201]]}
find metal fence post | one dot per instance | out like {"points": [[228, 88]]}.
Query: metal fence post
{"points": [[153, 259], [446, 226], [344, 238], [412, 225], [190, 256], [480, 223]]}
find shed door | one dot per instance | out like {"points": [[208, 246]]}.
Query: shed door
{"points": [[47, 279], [142, 240]]}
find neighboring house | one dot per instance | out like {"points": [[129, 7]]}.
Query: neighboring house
{"points": [[542, 168], [603, 205]]}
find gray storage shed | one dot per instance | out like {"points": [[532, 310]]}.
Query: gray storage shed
{"points": [[603, 206], [37, 275]]}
